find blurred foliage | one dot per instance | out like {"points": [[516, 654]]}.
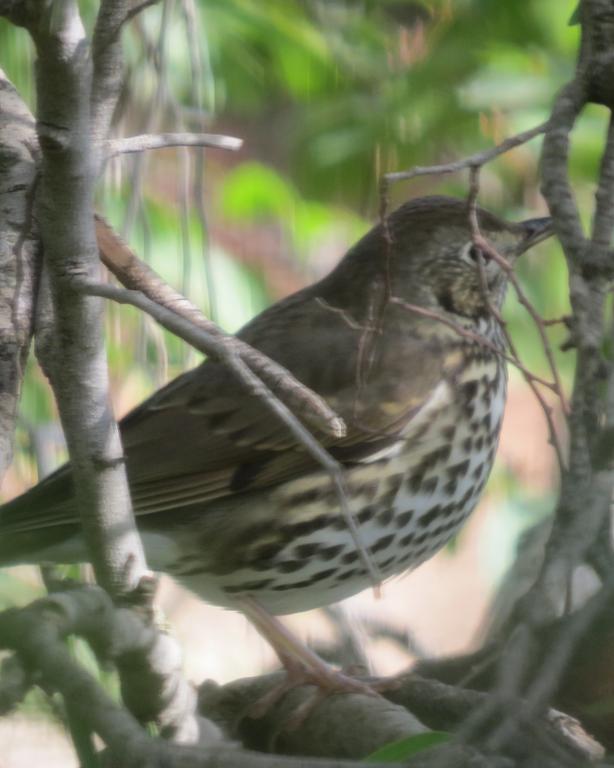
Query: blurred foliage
{"points": [[328, 95]]}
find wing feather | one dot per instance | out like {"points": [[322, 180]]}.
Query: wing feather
{"points": [[202, 437]]}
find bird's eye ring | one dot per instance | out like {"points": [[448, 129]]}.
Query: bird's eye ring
{"points": [[473, 254]]}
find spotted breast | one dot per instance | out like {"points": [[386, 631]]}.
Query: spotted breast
{"points": [[408, 502]]}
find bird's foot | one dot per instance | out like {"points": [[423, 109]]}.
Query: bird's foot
{"points": [[326, 682], [303, 667]]}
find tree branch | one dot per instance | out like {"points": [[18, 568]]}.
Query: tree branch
{"points": [[150, 141], [19, 256], [36, 634], [472, 161], [78, 363]]}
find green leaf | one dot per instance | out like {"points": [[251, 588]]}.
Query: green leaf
{"points": [[404, 748], [253, 191]]}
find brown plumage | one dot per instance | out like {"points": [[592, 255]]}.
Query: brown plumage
{"points": [[233, 507]]}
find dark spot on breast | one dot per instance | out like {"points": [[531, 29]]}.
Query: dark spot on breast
{"points": [[429, 485], [450, 487], [366, 513], [385, 517], [390, 494], [296, 530], [289, 566], [430, 516], [403, 518], [305, 497], [415, 481], [448, 432], [382, 543], [347, 574], [294, 585], [479, 443], [458, 470], [447, 527], [469, 390], [321, 575], [366, 489], [249, 586], [339, 523], [350, 557], [449, 509], [327, 553], [407, 539], [466, 498], [388, 561], [306, 550], [430, 461], [467, 443], [444, 452], [261, 557]]}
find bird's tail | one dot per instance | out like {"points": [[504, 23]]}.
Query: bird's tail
{"points": [[41, 524]]}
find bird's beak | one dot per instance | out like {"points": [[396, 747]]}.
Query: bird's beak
{"points": [[533, 231]]}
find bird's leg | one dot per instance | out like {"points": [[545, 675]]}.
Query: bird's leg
{"points": [[303, 666]]}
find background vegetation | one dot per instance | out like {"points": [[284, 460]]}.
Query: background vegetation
{"points": [[327, 95]]}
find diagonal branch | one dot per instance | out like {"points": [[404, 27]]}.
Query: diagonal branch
{"points": [[207, 343], [134, 274]]}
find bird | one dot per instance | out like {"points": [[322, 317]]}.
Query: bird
{"points": [[403, 340]]}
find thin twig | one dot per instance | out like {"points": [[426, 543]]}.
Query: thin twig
{"points": [[483, 244], [472, 161], [148, 141], [471, 336], [138, 8]]}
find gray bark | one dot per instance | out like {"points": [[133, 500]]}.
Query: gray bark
{"points": [[19, 256]]}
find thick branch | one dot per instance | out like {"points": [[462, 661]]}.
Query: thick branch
{"points": [[349, 725], [36, 633], [76, 355], [19, 256]]}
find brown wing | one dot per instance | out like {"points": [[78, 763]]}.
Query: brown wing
{"points": [[203, 437]]}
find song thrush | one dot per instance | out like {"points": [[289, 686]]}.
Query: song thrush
{"points": [[229, 504]]}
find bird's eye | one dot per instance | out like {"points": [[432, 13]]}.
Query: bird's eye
{"points": [[471, 253], [474, 253]]}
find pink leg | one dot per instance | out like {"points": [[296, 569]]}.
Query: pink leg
{"points": [[302, 664]]}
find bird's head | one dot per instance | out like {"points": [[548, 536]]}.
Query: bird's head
{"points": [[433, 261], [437, 262]]}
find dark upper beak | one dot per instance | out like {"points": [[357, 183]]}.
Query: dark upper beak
{"points": [[534, 230]]}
